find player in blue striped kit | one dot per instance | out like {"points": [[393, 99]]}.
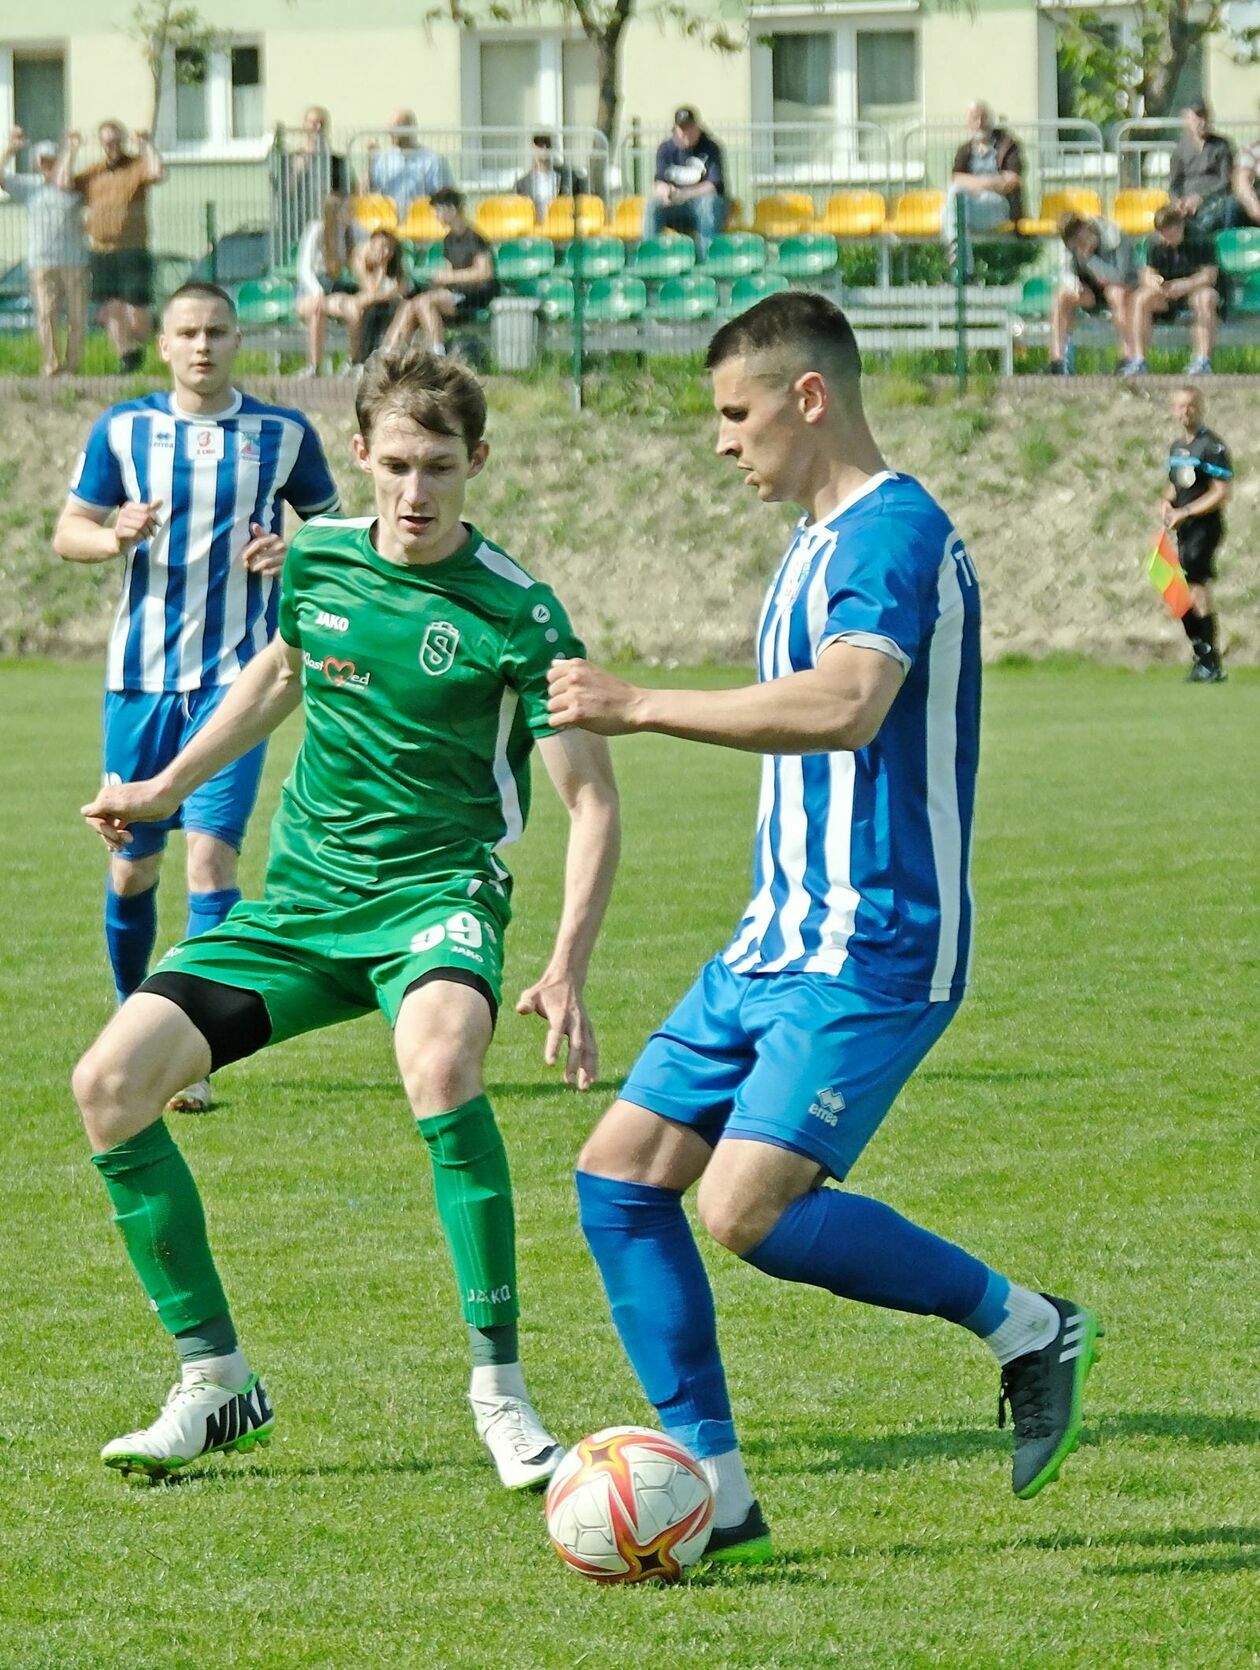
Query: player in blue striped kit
{"points": [[188, 490], [778, 1066]]}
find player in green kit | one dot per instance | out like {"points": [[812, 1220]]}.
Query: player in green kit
{"points": [[419, 653]]}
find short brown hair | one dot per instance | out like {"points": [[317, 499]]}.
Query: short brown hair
{"points": [[437, 393], [797, 322], [1070, 226], [1168, 216]]}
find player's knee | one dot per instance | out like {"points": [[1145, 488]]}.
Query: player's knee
{"points": [[128, 878], [212, 864], [437, 1074], [99, 1083], [736, 1223]]}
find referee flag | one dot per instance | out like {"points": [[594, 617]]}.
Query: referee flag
{"points": [[1167, 578]]}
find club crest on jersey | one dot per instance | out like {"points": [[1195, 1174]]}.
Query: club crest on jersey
{"points": [[438, 646]]}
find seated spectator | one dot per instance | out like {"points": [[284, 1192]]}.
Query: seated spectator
{"points": [[545, 179], [115, 193], [1201, 173], [1246, 196], [406, 169], [988, 179], [376, 289], [1180, 273], [689, 190], [460, 288], [56, 251], [1097, 273]]}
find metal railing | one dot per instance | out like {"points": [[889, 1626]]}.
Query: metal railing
{"points": [[1144, 146], [1056, 153]]}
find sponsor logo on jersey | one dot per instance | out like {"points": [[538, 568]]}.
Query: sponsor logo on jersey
{"points": [[827, 1106], [438, 646], [334, 623], [205, 442], [336, 672]]}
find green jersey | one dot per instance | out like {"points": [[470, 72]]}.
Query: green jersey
{"points": [[424, 689]]}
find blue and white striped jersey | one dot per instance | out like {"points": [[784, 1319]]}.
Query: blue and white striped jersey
{"points": [[861, 864], [190, 614]]}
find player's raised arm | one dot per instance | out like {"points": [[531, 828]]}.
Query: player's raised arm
{"points": [[261, 698], [581, 769], [840, 704]]}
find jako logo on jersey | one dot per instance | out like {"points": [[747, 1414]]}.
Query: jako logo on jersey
{"points": [[438, 646], [337, 672], [334, 623], [828, 1107]]}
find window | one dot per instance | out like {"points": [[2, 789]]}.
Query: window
{"points": [[213, 101], [887, 76], [530, 81], [39, 94], [801, 71], [579, 75], [510, 84], [827, 80]]}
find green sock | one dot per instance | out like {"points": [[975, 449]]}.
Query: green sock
{"points": [[158, 1210], [474, 1202]]}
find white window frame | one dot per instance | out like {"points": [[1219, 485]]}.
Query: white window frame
{"points": [[220, 145], [825, 21], [11, 50], [550, 73]]}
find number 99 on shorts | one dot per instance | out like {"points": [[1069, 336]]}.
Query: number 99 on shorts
{"points": [[463, 929]]}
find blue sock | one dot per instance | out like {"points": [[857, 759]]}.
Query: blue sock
{"points": [[130, 930], [861, 1249], [207, 910], [662, 1305]]}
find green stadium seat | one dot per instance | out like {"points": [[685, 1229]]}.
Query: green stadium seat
{"points": [[755, 287], [732, 254], [601, 257], [266, 301], [1238, 251], [555, 296], [807, 255], [1034, 302], [690, 296], [1246, 297], [524, 259], [658, 258], [610, 301]]}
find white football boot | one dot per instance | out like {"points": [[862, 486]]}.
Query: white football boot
{"points": [[198, 1418], [198, 1098], [522, 1449]]}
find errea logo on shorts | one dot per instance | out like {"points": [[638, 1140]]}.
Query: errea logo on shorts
{"points": [[828, 1105], [334, 623]]}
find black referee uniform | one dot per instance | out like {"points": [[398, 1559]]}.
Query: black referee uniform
{"points": [[1193, 467]]}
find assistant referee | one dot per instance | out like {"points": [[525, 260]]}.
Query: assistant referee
{"points": [[1200, 474]]}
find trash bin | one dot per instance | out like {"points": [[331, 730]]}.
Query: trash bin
{"points": [[514, 331]]}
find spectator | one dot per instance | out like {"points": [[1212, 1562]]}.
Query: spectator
{"points": [[1201, 172], [988, 178], [116, 191], [1200, 475], [1246, 196], [1096, 274], [1180, 272], [407, 169], [310, 176], [462, 286], [689, 191], [379, 281], [545, 179], [56, 253]]}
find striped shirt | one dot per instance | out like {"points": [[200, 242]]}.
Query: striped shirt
{"points": [[190, 614], [861, 862]]}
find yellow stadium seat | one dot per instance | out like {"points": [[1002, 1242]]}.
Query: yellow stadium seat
{"points": [[917, 215], [500, 219], [422, 225], [627, 221], [559, 223], [853, 214], [1076, 201], [375, 213], [784, 214], [1134, 212], [736, 219]]}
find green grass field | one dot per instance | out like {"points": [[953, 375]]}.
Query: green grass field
{"points": [[1089, 1124]]}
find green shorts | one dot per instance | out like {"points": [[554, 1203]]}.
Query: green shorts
{"points": [[313, 967]]}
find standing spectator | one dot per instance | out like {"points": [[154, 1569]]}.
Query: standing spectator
{"points": [[378, 281], [1180, 272], [1199, 476], [406, 170], [689, 191], [116, 192], [309, 177], [545, 179], [1201, 172], [1097, 274], [1244, 182], [56, 253], [461, 287], [988, 176]]}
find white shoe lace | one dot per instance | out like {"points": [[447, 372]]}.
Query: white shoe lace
{"points": [[516, 1423]]}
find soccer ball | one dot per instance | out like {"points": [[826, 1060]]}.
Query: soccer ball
{"points": [[627, 1505]]}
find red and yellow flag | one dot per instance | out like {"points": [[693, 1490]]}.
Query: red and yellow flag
{"points": [[1167, 578]]}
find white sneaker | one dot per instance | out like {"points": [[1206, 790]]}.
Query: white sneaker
{"points": [[198, 1418], [524, 1452], [198, 1098]]}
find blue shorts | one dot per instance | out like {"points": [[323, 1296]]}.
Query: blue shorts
{"points": [[796, 1060], [143, 733]]}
